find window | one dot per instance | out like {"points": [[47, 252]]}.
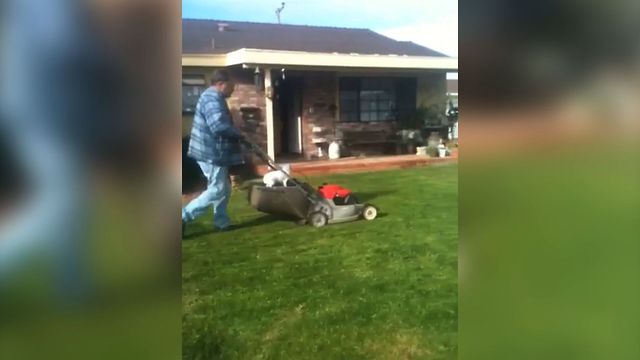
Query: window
{"points": [[349, 99], [372, 99], [192, 87]]}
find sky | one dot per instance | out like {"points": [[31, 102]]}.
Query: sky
{"points": [[431, 23]]}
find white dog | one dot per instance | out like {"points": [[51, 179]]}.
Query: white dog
{"points": [[273, 178]]}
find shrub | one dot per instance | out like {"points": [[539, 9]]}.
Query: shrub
{"points": [[432, 151]]}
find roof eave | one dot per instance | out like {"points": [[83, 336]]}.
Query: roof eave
{"points": [[317, 59], [208, 60]]}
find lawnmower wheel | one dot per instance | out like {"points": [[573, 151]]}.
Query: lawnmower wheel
{"points": [[318, 219], [369, 212]]}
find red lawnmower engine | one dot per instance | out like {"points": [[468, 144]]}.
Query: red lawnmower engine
{"points": [[336, 193]]}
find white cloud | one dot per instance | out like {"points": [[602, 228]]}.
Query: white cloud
{"points": [[440, 35]]}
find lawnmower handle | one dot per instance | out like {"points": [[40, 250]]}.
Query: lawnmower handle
{"points": [[263, 156]]}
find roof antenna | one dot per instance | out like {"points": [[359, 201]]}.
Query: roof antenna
{"points": [[278, 11]]}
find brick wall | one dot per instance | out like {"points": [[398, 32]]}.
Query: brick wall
{"points": [[319, 109], [247, 106]]}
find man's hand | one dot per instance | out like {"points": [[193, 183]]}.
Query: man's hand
{"points": [[244, 141]]}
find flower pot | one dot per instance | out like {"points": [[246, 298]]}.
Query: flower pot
{"points": [[442, 151]]}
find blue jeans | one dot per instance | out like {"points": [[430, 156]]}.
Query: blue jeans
{"points": [[217, 195]]}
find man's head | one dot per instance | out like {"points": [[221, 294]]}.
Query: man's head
{"points": [[221, 80]]}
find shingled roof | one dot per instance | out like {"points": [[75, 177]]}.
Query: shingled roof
{"points": [[221, 36]]}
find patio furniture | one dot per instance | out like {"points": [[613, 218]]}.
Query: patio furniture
{"points": [[320, 143], [353, 138]]}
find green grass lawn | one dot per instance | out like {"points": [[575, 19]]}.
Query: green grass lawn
{"points": [[385, 289]]}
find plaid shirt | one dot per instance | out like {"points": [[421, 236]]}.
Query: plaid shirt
{"points": [[213, 137]]}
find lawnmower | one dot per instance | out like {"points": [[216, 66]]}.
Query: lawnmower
{"points": [[329, 204]]}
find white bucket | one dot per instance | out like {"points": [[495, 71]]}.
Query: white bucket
{"points": [[442, 151], [334, 151]]}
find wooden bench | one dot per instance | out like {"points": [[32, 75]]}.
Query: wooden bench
{"points": [[367, 137], [359, 139]]}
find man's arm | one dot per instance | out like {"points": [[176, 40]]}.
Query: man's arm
{"points": [[219, 123]]}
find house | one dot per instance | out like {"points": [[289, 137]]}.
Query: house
{"points": [[300, 87], [452, 91], [452, 95]]}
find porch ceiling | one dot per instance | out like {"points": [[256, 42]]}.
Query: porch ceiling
{"points": [[321, 60]]}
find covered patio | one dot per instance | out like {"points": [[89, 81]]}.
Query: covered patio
{"points": [[296, 103]]}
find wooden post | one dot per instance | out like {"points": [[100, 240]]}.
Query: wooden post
{"points": [[269, 93]]}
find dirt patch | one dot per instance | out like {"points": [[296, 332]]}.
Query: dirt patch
{"points": [[403, 345], [286, 321]]}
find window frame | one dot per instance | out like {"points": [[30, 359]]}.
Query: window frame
{"points": [[357, 86], [201, 81]]}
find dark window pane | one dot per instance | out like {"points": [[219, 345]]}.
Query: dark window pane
{"points": [[348, 106], [349, 116], [376, 98], [378, 84], [349, 84], [385, 115], [348, 95], [368, 95], [192, 88], [406, 91]]}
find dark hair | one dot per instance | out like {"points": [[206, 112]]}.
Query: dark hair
{"points": [[220, 75]]}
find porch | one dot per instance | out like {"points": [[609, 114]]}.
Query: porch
{"points": [[193, 181], [306, 109], [295, 106], [359, 164]]}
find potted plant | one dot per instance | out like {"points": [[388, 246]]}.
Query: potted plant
{"points": [[436, 117]]}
